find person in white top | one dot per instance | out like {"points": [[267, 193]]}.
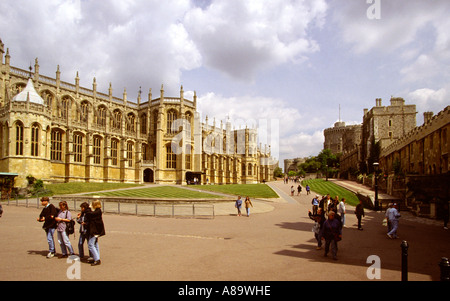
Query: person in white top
{"points": [[341, 211], [393, 217]]}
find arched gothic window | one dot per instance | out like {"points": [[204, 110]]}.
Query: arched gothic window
{"points": [[19, 138], [100, 116], [130, 154], [171, 117], [171, 158], [97, 149], [131, 123], [77, 147], [56, 145], [114, 152], [144, 123], [35, 140]]}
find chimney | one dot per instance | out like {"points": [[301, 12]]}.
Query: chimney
{"points": [[378, 102], [427, 117]]}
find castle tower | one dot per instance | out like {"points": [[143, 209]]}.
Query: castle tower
{"points": [[384, 125], [26, 121]]}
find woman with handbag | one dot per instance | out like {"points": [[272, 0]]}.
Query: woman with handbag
{"points": [[96, 229], [64, 216]]}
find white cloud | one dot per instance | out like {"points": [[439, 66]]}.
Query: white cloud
{"points": [[146, 43], [398, 24], [130, 43], [415, 32], [297, 133], [301, 145], [241, 38], [427, 99]]}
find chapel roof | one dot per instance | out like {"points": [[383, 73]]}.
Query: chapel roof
{"points": [[29, 93]]}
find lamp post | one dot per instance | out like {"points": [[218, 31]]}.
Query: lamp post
{"points": [[375, 167]]}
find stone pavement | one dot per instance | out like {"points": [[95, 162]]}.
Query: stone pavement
{"points": [[274, 244]]}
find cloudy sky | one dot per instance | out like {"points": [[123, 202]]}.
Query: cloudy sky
{"points": [[293, 63]]}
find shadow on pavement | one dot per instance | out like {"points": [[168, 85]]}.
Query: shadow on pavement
{"points": [[427, 244]]}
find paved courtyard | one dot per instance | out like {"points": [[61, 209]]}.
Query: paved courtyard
{"points": [[274, 243]]}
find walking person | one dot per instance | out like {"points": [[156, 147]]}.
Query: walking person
{"points": [[64, 216], [84, 229], [333, 204], [96, 230], [299, 189], [393, 218], [341, 211], [332, 233], [315, 204], [292, 190], [325, 202], [359, 212], [47, 215], [248, 203], [308, 190], [238, 205], [319, 219]]}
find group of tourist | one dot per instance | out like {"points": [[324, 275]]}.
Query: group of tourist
{"points": [[295, 179], [328, 228], [91, 228]]}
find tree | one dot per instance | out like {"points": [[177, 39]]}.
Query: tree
{"points": [[277, 172], [325, 162], [328, 160], [311, 165]]}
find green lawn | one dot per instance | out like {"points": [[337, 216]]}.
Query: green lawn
{"points": [[79, 187], [168, 192], [324, 187], [250, 190]]}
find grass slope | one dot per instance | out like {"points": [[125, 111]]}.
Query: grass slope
{"points": [[251, 190], [168, 192], [326, 187], [80, 187]]}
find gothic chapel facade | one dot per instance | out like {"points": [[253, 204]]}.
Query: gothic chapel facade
{"points": [[62, 132]]}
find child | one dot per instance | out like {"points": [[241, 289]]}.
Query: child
{"points": [[248, 203]]}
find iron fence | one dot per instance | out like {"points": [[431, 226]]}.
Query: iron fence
{"points": [[136, 207]]}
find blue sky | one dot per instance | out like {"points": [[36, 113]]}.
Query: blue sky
{"points": [[294, 62]]}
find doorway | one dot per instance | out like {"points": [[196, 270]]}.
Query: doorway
{"points": [[148, 176]]}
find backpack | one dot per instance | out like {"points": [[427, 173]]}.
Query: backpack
{"points": [[70, 226]]}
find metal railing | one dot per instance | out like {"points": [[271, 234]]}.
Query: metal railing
{"points": [[128, 206]]}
